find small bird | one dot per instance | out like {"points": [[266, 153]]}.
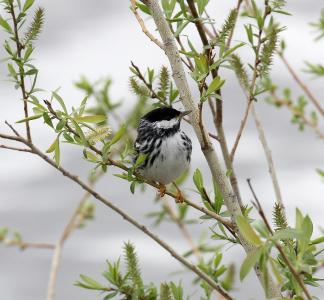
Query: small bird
{"points": [[166, 146]]}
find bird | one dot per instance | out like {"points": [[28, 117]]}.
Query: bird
{"points": [[166, 148]]}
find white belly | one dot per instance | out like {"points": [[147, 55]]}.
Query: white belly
{"points": [[170, 163]]}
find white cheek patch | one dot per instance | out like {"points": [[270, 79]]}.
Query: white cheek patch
{"points": [[167, 124]]}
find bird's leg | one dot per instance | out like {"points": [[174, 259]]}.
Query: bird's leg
{"points": [[179, 198], [162, 189]]}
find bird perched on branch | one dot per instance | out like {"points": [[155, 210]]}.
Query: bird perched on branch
{"points": [[166, 147]]}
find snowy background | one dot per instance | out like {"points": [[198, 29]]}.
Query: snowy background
{"points": [[99, 38]]}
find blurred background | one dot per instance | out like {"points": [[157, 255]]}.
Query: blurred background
{"points": [[99, 39]]}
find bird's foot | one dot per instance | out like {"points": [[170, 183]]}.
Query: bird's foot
{"points": [[162, 190], [179, 197]]}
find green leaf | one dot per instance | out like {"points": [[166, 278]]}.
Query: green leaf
{"points": [[47, 119], [140, 159], [52, 147], [215, 85], [60, 100], [27, 5], [5, 25], [79, 131], [201, 5], [110, 295], [34, 117], [230, 51], [91, 119], [198, 180], [143, 8], [31, 72], [60, 125], [90, 156], [247, 231], [249, 262], [132, 187], [287, 233], [92, 284], [12, 71], [118, 135]]}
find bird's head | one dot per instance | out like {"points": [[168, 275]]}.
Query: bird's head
{"points": [[165, 117]]}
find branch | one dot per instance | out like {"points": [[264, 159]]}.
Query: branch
{"points": [[28, 245], [124, 215], [75, 221], [240, 131], [297, 113], [303, 86], [179, 76], [21, 72], [142, 24], [268, 155], [255, 75], [14, 148]]}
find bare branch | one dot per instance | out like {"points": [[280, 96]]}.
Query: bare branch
{"points": [[303, 86], [14, 148], [28, 245], [75, 221], [242, 126], [125, 216], [142, 24], [299, 114], [268, 155]]}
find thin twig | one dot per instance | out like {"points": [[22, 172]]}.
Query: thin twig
{"points": [[75, 221], [242, 126], [14, 148], [268, 155], [295, 273], [297, 113], [123, 214], [230, 36], [142, 25], [303, 86], [21, 72], [254, 80], [28, 245]]}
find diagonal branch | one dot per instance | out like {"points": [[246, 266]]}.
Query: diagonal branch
{"points": [[123, 214], [303, 86], [142, 24], [74, 222]]}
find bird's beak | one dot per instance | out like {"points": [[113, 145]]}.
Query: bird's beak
{"points": [[184, 113]]}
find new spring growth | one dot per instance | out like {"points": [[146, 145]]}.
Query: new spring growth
{"points": [[98, 134]]}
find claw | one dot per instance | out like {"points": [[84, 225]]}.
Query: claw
{"points": [[162, 190], [179, 198]]}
